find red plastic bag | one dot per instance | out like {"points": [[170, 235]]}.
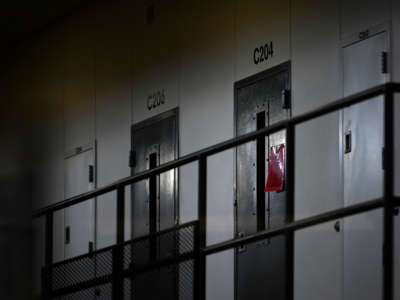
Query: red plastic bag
{"points": [[276, 169]]}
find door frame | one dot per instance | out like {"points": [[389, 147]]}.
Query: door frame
{"points": [[173, 113], [283, 67]]}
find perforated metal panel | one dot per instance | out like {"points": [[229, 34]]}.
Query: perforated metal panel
{"points": [[103, 292], [147, 274]]}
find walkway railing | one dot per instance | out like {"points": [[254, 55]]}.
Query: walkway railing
{"points": [[388, 202]]}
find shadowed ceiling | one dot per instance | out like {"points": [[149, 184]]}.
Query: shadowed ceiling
{"points": [[20, 18]]}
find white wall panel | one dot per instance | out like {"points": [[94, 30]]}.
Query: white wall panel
{"points": [[113, 111], [206, 117], [359, 15], [316, 64], [316, 80], [79, 97], [318, 264], [207, 92], [259, 22], [216, 271], [156, 57]]}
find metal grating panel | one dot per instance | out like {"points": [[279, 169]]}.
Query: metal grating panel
{"points": [[104, 263], [186, 280], [128, 289], [81, 269], [103, 292], [166, 245], [163, 261], [73, 272]]}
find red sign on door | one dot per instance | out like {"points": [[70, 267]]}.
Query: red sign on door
{"points": [[276, 169]]}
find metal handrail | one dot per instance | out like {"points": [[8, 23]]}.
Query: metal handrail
{"points": [[208, 151], [299, 224], [387, 202]]}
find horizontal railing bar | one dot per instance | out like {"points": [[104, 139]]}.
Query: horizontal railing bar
{"points": [[307, 222], [323, 110], [296, 225]]}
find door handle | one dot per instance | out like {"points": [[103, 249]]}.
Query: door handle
{"points": [[347, 142]]}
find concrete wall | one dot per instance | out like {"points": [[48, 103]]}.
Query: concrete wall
{"points": [[94, 72], [15, 185]]}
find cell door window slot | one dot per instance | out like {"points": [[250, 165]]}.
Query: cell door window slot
{"points": [[153, 204], [153, 193], [260, 175]]}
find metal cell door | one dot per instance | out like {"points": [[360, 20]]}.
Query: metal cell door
{"points": [[155, 201], [364, 66], [261, 268], [79, 219]]}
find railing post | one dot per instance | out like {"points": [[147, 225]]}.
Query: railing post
{"points": [[47, 270], [118, 262], [290, 168], [200, 294], [388, 234]]}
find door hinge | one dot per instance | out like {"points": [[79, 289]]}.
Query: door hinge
{"points": [[91, 173], [285, 99], [132, 159], [384, 62], [242, 248]]}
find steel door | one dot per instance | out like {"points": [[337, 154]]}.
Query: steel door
{"points": [[79, 219], [261, 268], [155, 201], [363, 171]]}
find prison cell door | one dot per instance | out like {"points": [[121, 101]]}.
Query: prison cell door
{"points": [[260, 267], [155, 202], [79, 219], [364, 67]]}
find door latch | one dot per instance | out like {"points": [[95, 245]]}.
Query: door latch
{"points": [[347, 142]]}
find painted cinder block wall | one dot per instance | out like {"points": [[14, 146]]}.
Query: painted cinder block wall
{"points": [[91, 74]]}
